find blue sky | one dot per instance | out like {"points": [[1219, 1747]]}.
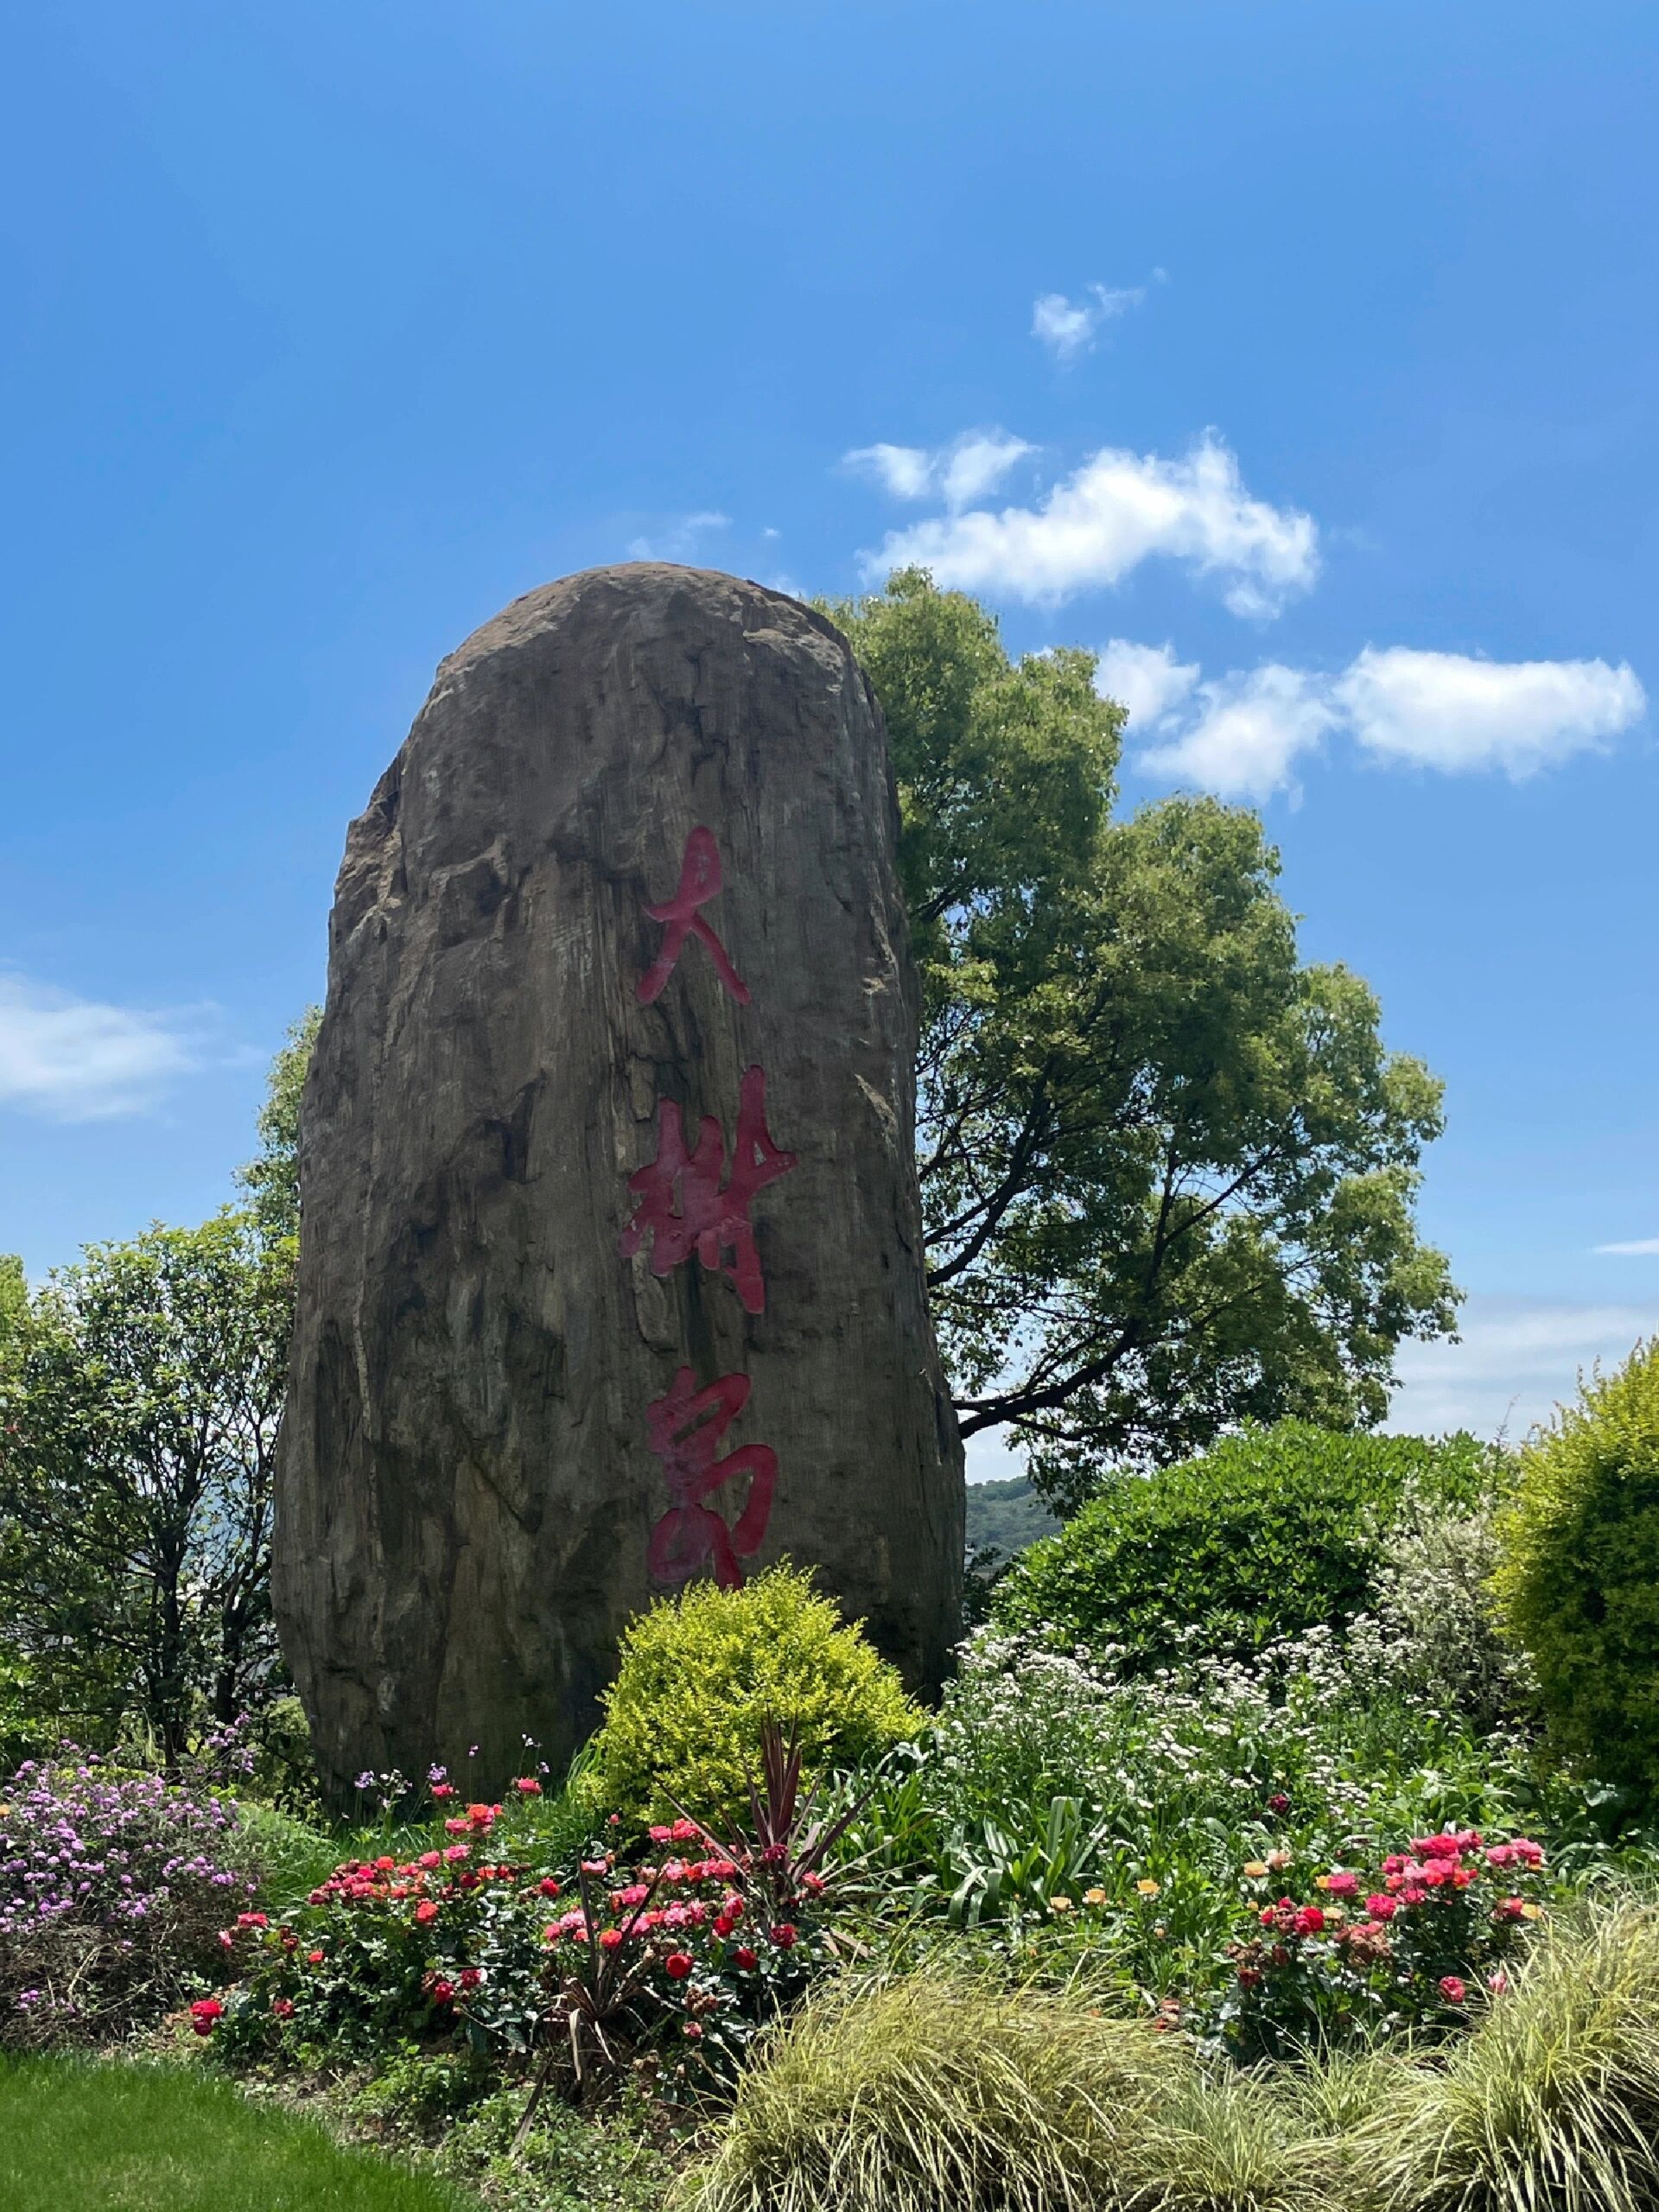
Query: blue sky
{"points": [[1307, 353]]}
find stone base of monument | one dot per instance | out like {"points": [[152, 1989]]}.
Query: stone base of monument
{"points": [[611, 1268]]}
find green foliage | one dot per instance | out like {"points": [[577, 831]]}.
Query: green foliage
{"points": [[1060, 1814], [697, 1675], [139, 1400], [1578, 1581], [76, 2137], [1272, 1532], [1179, 1155], [271, 1179]]}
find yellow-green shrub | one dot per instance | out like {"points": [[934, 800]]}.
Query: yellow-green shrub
{"points": [[699, 1673], [1578, 1581]]}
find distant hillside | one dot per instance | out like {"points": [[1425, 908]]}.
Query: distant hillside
{"points": [[1007, 1516]]}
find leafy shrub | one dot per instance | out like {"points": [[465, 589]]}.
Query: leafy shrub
{"points": [[1273, 1532], [113, 1890], [699, 1673], [937, 2093], [1435, 1606], [1553, 2102], [1578, 1581]]}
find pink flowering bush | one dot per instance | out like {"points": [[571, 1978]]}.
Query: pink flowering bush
{"points": [[112, 1892], [1417, 1943], [679, 1946]]}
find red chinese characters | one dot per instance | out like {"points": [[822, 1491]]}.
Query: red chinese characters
{"points": [[686, 1429], [700, 881], [687, 1202], [683, 1206]]}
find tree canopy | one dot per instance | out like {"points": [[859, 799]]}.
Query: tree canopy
{"points": [[140, 1392], [272, 1178], [1167, 1167]]}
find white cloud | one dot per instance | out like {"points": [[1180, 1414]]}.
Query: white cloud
{"points": [[1639, 1247], [966, 470], [679, 539], [904, 471], [977, 464], [1456, 713], [1147, 680], [1117, 510], [1069, 328], [1248, 733], [1518, 1359], [1243, 735], [71, 1060]]}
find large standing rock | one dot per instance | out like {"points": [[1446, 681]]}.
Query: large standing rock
{"points": [[471, 1502]]}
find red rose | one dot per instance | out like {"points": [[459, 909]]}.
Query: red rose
{"points": [[744, 1957], [444, 1992], [283, 2007], [314, 1958], [1452, 1989], [1310, 1921], [723, 1927], [470, 1977], [677, 1965], [610, 1939], [204, 2013], [549, 1887], [426, 1912], [784, 1936], [527, 1786]]}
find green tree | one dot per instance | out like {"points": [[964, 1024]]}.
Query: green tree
{"points": [[139, 1400], [1167, 1167], [272, 1178]]}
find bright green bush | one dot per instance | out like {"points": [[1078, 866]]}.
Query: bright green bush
{"points": [[699, 1673], [1578, 1580], [1273, 1532]]}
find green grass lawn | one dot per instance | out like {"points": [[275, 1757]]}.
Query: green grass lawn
{"points": [[80, 2137]]}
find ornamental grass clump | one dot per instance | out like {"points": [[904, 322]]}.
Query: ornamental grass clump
{"points": [[113, 1890], [1552, 2104], [938, 2092]]}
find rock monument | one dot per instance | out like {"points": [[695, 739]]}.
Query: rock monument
{"points": [[611, 1271]]}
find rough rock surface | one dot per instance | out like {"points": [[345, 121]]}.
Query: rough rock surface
{"points": [[467, 1491]]}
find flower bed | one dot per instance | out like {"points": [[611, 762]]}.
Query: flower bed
{"points": [[112, 1889], [686, 1947]]}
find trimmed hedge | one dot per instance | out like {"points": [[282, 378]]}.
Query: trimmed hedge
{"points": [[1271, 1532]]}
